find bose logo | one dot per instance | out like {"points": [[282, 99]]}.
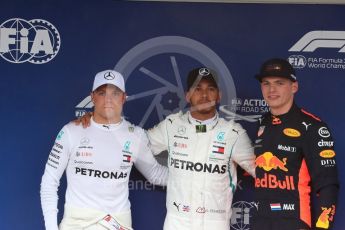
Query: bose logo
{"points": [[320, 39], [323, 132]]}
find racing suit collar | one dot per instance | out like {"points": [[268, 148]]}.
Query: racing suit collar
{"points": [[209, 123], [106, 127], [279, 119]]}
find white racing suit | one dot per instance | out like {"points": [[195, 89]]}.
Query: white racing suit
{"points": [[90, 219], [202, 169], [97, 161]]}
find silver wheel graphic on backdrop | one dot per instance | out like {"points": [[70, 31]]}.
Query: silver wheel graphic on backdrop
{"points": [[170, 97]]}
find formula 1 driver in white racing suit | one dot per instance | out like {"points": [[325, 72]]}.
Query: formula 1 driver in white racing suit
{"points": [[98, 161], [203, 151]]}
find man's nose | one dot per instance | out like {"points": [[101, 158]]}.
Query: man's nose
{"points": [[204, 93], [272, 88], [108, 97]]}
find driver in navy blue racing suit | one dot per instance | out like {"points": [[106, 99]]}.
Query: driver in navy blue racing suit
{"points": [[294, 156]]}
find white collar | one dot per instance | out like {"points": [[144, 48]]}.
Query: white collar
{"points": [[106, 127], [194, 121]]}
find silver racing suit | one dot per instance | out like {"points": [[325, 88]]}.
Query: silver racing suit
{"points": [[202, 169], [97, 161]]}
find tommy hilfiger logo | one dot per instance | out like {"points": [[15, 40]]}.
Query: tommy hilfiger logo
{"points": [[127, 158], [217, 149]]}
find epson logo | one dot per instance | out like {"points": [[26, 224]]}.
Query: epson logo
{"points": [[320, 39]]}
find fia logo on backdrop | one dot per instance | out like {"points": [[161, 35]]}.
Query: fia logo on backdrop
{"points": [[319, 49], [35, 41]]}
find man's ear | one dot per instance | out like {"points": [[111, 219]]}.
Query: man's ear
{"points": [[91, 95], [188, 96], [295, 87], [219, 97], [124, 98]]}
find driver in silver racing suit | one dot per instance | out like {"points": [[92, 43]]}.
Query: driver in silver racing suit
{"points": [[98, 161], [204, 150]]}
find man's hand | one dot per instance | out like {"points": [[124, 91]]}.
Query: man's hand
{"points": [[84, 120]]}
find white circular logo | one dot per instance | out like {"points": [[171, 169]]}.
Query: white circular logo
{"points": [[109, 75], [323, 132], [204, 71], [181, 130], [36, 41], [84, 141]]}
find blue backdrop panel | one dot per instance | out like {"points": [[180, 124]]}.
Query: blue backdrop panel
{"points": [[51, 50]]}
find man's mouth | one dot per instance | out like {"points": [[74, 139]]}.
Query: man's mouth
{"points": [[273, 97], [203, 105]]}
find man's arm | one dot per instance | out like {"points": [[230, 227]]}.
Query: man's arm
{"points": [[320, 158], [55, 166], [154, 172], [243, 151], [326, 207], [158, 136]]}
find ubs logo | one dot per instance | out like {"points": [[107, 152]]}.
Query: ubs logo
{"points": [[36, 41]]}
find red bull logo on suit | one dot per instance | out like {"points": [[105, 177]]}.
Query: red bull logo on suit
{"points": [[267, 161]]}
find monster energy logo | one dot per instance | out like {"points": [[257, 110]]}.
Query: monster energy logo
{"points": [[200, 128]]}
